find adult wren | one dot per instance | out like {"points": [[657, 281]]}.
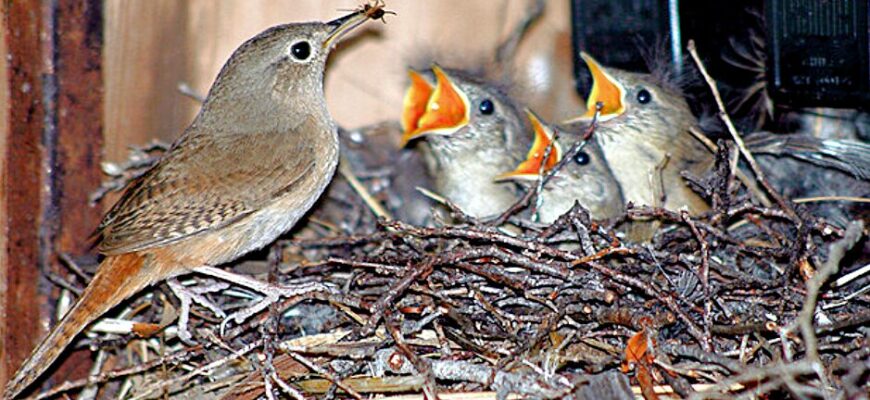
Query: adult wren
{"points": [[257, 156]]}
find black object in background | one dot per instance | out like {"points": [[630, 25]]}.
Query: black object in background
{"points": [[614, 32], [818, 52]]}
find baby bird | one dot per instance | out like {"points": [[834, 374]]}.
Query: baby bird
{"points": [[473, 131], [585, 179], [644, 135], [643, 132]]}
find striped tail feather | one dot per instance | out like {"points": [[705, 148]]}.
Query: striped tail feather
{"points": [[117, 278]]}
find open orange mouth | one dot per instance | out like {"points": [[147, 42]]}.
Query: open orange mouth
{"points": [[414, 104], [441, 111], [532, 167], [605, 89]]}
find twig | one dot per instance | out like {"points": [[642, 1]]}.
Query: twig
{"points": [[331, 377], [831, 198], [845, 279], [805, 320], [374, 205], [703, 274], [422, 366], [174, 358], [747, 181], [759, 174], [202, 370]]}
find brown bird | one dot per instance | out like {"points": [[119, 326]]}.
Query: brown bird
{"points": [[644, 134], [473, 131], [259, 153], [586, 179]]}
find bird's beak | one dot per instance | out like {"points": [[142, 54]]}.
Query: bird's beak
{"points": [[531, 167], [345, 24], [414, 104], [447, 109], [605, 89]]}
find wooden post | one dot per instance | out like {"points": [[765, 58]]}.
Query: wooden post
{"points": [[50, 159]]}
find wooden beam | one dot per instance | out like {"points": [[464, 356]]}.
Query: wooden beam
{"points": [[78, 145], [53, 142], [23, 184]]}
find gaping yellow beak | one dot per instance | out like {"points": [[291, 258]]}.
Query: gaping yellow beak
{"points": [[414, 104], [447, 109], [531, 167], [605, 89]]}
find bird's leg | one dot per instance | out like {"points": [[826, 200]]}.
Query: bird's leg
{"points": [[189, 295], [271, 292]]}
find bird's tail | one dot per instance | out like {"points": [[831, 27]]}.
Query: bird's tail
{"points": [[850, 156], [117, 278]]}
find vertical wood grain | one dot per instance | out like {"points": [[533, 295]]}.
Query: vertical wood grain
{"points": [[78, 143], [146, 56], [52, 141], [5, 367], [24, 174]]}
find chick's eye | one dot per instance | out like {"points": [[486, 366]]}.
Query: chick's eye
{"points": [[582, 158], [486, 107], [301, 51], [644, 96]]}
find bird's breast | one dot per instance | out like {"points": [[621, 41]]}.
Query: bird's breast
{"points": [[271, 221]]}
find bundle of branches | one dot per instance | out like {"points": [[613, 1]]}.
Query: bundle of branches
{"points": [[737, 301]]}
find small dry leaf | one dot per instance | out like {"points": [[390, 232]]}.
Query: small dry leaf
{"points": [[639, 357], [146, 330], [635, 350], [807, 270]]}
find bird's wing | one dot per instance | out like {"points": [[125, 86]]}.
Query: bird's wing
{"points": [[206, 182], [850, 156]]}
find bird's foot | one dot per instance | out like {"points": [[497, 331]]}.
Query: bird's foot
{"points": [[271, 292], [188, 296]]}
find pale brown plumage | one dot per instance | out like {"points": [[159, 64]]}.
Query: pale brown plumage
{"points": [[182, 196], [465, 157], [585, 179], [644, 134], [258, 155]]}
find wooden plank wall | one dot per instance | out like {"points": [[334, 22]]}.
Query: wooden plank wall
{"points": [[23, 178], [4, 214], [51, 144], [153, 45]]}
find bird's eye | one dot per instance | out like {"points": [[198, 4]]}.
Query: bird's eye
{"points": [[582, 158], [301, 50], [644, 96], [486, 107]]}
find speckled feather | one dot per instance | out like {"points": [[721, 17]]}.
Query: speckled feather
{"points": [[170, 203]]}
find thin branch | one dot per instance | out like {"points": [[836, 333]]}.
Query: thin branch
{"points": [[759, 174]]}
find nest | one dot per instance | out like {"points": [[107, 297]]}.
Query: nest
{"points": [[717, 305], [738, 301]]}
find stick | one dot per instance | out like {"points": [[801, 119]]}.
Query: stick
{"points": [[374, 205], [759, 174], [765, 201]]}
